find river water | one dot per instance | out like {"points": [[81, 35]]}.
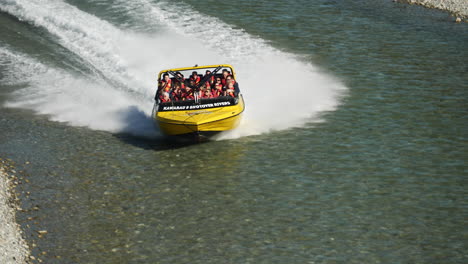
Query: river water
{"points": [[353, 146]]}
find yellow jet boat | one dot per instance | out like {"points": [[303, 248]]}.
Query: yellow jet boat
{"points": [[199, 100]]}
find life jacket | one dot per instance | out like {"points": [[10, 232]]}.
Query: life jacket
{"points": [[196, 79], [207, 96], [232, 94], [169, 82], [223, 80], [161, 97], [182, 84], [210, 81], [217, 90], [187, 96], [176, 95], [166, 86], [214, 93]]}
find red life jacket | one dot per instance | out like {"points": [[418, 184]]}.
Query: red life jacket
{"points": [[233, 91], [166, 86], [168, 82], [217, 90], [187, 96], [210, 81], [223, 80], [161, 97], [196, 79], [214, 93], [176, 95], [207, 96], [182, 84]]}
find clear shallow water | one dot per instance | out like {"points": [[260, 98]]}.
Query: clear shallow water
{"points": [[381, 179]]}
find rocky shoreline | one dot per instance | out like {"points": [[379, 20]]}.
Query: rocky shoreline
{"points": [[458, 8], [13, 248]]}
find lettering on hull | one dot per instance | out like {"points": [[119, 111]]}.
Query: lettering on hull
{"points": [[194, 107]]}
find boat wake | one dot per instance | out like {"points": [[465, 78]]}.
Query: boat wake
{"points": [[116, 93]]}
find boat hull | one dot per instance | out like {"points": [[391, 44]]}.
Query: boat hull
{"points": [[206, 121]]}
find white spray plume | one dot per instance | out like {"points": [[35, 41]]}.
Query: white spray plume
{"points": [[280, 90]]}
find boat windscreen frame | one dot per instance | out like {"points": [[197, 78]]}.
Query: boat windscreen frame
{"points": [[206, 103], [175, 70]]}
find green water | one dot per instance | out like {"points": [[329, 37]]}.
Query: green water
{"points": [[382, 179]]}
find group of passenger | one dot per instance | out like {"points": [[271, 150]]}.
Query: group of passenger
{"points": [[181, 89]]}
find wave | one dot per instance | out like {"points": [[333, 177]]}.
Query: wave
{"points": [[73, 99], [280, 89]]}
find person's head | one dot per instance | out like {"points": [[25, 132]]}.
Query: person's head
{"points": [[225, 73], [166, 76], [179, 75], [207, 72], [177, 86], [194, 74], [166, 95], [208, 91]]}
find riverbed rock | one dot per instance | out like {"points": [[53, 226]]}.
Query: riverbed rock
{"points": [[458, 8], [13, 248]]}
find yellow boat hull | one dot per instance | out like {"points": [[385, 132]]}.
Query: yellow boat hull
{"points": [[199, 118]]}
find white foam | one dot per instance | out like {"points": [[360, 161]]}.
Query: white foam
{"points": [[280, 90], [74, 99]]}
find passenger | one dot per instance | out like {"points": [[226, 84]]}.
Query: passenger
{"points": [[176, 92], [236, 85], [190, 84], [187, 94], [226, 73], [201, 91], [210, 81], [194, 77], [230, 89], [229, 78], [164, 97], [207, 94], [217, 88], [180, 79], [166, 83]]}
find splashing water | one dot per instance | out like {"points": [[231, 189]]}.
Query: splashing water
{"points": [[280, 90]]}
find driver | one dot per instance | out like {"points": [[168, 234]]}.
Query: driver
{"points": [[194, 77]]}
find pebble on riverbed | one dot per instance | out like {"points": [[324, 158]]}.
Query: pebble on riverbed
{"points": [[458, 8], [13, 248]]}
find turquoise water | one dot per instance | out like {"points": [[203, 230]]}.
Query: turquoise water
{"points": [[352, 150]]}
